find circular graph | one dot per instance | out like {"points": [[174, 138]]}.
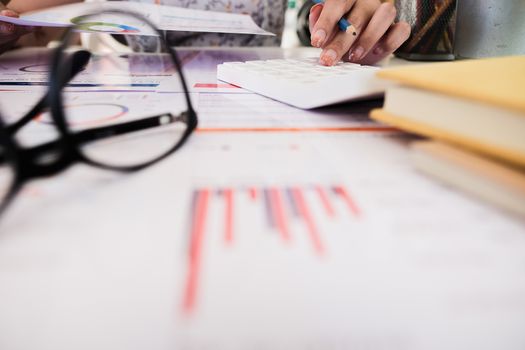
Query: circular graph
{"points": [[104, 27], [88, 114], [35, 68]]}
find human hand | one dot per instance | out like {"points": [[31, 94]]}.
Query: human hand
{"points": [[376, 34], [9, 32]]}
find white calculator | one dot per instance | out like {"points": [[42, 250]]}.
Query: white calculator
{"points": [[304, 83]]}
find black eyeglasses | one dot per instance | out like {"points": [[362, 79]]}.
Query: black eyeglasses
{"points": [[91, 130]]}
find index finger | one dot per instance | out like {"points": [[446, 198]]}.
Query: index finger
{"points": [[4, 11], [332, 12]]}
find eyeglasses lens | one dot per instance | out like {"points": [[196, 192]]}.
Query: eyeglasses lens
{"points": [[115, 101], [25, 76]]}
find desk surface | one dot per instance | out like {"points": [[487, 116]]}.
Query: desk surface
{"points": [[271, 229]]}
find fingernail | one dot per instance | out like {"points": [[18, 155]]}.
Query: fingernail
{"points": [[357, 53], [315, 6], [328, 57], [378, 51], [318, 38]]}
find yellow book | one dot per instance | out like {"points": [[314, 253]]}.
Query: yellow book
{"points": [[479, 104], [492, 181]]}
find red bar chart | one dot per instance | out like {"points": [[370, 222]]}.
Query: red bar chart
{"points": [[281, 208]]}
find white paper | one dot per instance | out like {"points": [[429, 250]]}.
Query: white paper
{"points": [[242, 110], [419, 267], [85, 110], [27, 68], [163, 17], [92, 259]]}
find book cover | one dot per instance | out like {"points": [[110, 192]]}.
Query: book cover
{"points": [[499, 81], [497, 183], [478, 104]]}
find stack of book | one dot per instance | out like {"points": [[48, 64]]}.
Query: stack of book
{"points": [[474, 114]]}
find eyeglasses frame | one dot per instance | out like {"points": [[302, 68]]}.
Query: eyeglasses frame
{"points": [[27, 164]]}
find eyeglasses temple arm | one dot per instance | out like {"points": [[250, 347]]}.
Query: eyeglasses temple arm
{"points": [[103, 132], [90, 135]]}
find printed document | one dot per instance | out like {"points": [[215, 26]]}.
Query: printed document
{"points": [[163, 17]]}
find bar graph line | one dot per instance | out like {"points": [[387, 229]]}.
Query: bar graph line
{"points": [[215, 86], [228, 214], [304, 211], [283, 206], [268, 206], [325, 201], [198, 227], [279, 214], [354, 209], [253, 193], [294, 207]]}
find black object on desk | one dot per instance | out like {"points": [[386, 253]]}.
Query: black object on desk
{"points": [[127, 145]]}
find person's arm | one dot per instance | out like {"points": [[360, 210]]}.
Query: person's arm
{"points": [[376, 34], [22, 6]]}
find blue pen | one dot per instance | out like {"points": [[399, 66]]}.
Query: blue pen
{"points": [[343, 23]]}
